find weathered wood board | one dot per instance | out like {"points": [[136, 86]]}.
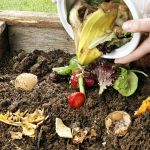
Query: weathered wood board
{"points": [[28, 18], [30, 38], [34, 30]]}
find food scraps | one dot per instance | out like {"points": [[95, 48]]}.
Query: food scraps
{"points": [[62, 130], [79, 135], [127, 82], [101, 72], [76, 100], [16, 135], [145, 107], [97, 26], [104, 71], [35, 117], [28, 122], [89, 81], [28, 129], [26, 81], [117, 123]]}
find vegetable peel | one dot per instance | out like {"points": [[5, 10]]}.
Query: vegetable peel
{"points": [[145, 107], [96, 24], [62, 130]]}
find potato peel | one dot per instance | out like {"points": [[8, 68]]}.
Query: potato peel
{"points": [[145, 107]]}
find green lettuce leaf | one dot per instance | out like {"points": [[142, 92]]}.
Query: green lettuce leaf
{"points": [[127, 82], [73, 65]]}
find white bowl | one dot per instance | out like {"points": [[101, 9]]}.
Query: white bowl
{"points": [[63, 7]]}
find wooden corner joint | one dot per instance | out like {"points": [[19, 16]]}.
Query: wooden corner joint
{"points": [[2, 27]]}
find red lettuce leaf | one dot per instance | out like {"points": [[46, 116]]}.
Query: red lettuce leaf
{"points": [[104, 71]]}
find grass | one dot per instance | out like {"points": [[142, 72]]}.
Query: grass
{"points": [[28, 5]]}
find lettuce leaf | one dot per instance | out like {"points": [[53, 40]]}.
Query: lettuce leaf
{"points": [[104, 71], [127, 82], [67, 70]]}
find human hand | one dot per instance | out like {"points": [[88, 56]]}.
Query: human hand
{"points": [[139, 25]]}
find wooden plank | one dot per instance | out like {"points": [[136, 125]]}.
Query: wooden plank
{"points": [[32, 19], [36, 30], [47, 39], [2, 38]]}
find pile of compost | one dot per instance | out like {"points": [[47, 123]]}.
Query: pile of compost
{"points": [[52, 98]]}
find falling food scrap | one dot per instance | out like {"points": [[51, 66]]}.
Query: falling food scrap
{"points": [[62, 130], [26, 81], [28, 122], [145, 107], [118, 123]]}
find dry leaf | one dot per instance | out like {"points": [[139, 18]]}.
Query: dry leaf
{"points": [[117, 123], [16, 135], [144, 107], [62, 130], [26, 81]]}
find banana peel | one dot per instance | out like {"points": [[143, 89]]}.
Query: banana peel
{"points": [[97, 24]]}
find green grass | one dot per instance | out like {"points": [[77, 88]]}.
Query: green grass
{"points": [[28, 5]]}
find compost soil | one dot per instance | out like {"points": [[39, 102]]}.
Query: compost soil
{"points": [[52, 97]]}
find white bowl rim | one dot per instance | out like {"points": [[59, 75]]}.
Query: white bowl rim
{"points": [[118, 53]]}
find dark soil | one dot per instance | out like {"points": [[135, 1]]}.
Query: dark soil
{"points": [[52, 97]]}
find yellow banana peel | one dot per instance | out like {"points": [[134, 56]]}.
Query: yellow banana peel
{"points": [[97, 24]]}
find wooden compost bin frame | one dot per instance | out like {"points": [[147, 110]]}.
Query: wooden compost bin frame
{"points": [[32, 30]]}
